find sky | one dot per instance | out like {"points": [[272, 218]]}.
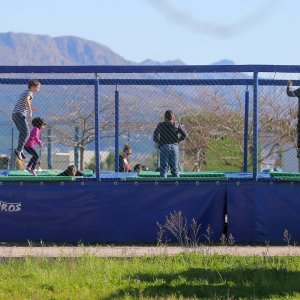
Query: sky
{"points": [[198, 32]]}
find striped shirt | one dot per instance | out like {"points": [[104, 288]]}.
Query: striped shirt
{"points": [[21, 104]]}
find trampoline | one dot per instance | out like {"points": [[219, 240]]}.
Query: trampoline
{"points": [[148, 176], [124, 208]]}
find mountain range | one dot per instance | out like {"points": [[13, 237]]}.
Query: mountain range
{"points": [[40, 50]]}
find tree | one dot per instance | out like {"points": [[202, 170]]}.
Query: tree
{"points": [[63, 124], [105, 165], [216, 132]]}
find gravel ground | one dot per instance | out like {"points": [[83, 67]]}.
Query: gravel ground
{"points": [[130, 251]]}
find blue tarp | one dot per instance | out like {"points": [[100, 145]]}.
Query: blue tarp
{"points": [[261, 212], [105, 212], [126, 213]]}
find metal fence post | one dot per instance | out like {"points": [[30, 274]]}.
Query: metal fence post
{"points": [[49, 152], [255, 126], [246, 125], [76, 137], [97, 128], [12, 156], [117, 117]]}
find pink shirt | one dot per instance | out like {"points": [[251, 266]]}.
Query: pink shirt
{"points": [[127, 167], [34, 138]]}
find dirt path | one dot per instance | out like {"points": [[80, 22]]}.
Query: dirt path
{"points": [[130, 251]]}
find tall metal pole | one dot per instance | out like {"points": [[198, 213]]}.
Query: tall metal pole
{"points": [[117, 117], [246, 126], [49, 152], [12, 157], [97, 128], [76, 137], [255, 125]]}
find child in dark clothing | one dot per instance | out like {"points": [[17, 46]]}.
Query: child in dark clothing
{"points": [[34, 137], [137, 168], [71, 171]]}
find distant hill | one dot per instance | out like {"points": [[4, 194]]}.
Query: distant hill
{"points": [[29, 49], [32, 49], [40, 50]]}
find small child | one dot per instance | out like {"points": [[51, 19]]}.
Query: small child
{"points": [[71, 171], [137, 168], [19, 114], [34, 137]]}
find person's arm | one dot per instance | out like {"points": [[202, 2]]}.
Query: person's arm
{"points": [[290, 92], [79, 173], [36, 136], [182, 133], [156, 135], [28, 105], [64, 173]]}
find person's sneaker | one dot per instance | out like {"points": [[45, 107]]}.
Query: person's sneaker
{"points": [[28, 169], [18, 154], [23, 155]]}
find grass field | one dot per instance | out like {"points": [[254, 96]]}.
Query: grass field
{"points": [[183, 276]]}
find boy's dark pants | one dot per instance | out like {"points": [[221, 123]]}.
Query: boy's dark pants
{"points": [[23, 128]]}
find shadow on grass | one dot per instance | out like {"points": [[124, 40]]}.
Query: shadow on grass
{"points": [[203, 283]]}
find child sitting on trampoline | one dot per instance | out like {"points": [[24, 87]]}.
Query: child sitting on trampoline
{"points": [[71, 171], [137, 168], [124, 165], [34, 137]]}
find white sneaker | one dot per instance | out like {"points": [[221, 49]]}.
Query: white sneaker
{"points": [[18, 154]]}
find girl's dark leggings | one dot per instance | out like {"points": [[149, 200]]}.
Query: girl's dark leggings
{"points": [[34, 159]]}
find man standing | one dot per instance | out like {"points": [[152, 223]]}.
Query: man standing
{"points": [[167, 136]]}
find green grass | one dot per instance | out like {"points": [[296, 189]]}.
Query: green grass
{"points": [[224, 147], [184, 276]]}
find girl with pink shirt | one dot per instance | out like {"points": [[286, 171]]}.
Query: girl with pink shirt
{"points": [[34, 138]]}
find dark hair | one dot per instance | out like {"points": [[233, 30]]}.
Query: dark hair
{"points": [[169, 115], [137, 168], [33, 83], [38, 122], [71, 169], [126, 148]]}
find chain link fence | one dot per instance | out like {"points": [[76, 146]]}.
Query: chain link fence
{"points": [[214, 105]]}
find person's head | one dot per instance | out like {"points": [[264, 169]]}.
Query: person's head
{"points": [[137, 168], [34, 85], [71, 170], [127, 151], [38, 123], [169, 116]]}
